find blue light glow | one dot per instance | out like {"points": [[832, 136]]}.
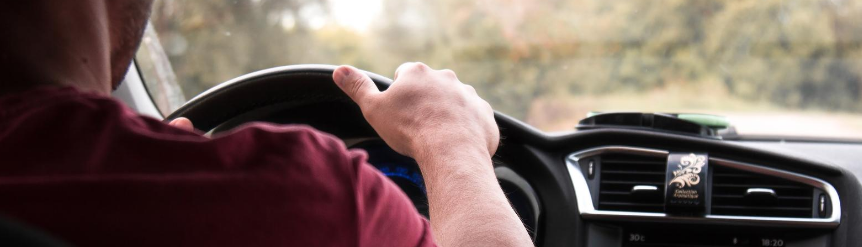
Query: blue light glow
{"points": [[398, 170]]}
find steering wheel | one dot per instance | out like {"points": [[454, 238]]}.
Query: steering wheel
{"points": [[297, 94], [288, 94]]}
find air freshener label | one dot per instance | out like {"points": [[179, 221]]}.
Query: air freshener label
{"points": [[685, 183]]}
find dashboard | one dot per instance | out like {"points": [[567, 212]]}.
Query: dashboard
{"points": [[610, 187]]}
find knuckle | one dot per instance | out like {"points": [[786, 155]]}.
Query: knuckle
{"points": [[355, 86], [449, 73], [402, 69], [405, 65], [412, 68], [421, 66], [488, 106]]}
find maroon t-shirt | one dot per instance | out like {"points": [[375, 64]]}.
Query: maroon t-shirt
{"points": [[87, 170]]}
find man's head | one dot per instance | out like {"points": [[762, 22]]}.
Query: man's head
{"points": [[88, 44], [127, 20]]}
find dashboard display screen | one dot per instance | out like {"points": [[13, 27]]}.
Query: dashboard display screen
{"points": [[402, 170]]}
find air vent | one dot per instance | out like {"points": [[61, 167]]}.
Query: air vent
{"points": [[632, 183], [743, 193]]}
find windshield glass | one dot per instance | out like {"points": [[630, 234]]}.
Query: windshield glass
{"points": [[789, 68]]}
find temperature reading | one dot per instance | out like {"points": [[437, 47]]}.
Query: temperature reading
{"points": [[772, 242], [634, 237]]}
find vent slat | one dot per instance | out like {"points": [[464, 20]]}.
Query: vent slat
{"points": [[764, 208], [633, 204], [614, 193], [632, 161], [730, 185], [734, 176], [773, 186], [633, 182], [633, 172], [734, 196], [621, 172]]}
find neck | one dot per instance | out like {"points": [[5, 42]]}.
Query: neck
{"points": [[55, 43]]}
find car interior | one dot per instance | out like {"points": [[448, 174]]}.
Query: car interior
{"points": [[605, 184], [614, 178]]}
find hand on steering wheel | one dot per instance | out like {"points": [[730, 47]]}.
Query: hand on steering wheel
{"points": [[423, 110]]}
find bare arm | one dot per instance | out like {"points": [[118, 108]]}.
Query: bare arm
{"points": [[467, 205], [431, 116]]}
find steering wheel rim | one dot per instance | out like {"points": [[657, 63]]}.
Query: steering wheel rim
{"points": [[282, 90], [293, 84]]}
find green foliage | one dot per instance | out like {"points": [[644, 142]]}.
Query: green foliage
{"points": [[794, 54]]}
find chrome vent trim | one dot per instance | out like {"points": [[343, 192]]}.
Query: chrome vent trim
{"points": [[587, 211]]}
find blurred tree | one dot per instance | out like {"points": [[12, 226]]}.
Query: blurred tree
{"points": [[523, 54]]}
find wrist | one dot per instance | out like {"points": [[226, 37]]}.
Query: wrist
{"points": [[431, 151], [455, 162]]}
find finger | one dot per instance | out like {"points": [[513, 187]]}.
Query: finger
{"points": [[414, 67], [449, 73], [401, 68], [182, 123], [356, 84], [488, 107], [470, 89]]}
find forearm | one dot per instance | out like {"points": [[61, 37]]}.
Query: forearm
{"points": [[467, 205], [431, 116]]}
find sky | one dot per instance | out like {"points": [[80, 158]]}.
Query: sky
{"points": [[355, 14]]}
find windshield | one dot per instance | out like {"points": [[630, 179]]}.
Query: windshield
{"points": [[789, 68]]}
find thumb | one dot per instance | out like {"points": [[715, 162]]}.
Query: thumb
{"points": [[356, 84], [182, 123]]}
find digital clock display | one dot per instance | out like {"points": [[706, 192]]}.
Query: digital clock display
{"points": [[699, 237], [772, 242]]}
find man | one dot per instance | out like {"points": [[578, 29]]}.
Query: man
{"points": [[85, 169]]}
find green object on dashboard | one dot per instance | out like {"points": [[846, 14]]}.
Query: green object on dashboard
{"points": [[711, 121]]}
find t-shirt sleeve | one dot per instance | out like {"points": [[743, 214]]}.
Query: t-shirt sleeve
{"points": [[336, 185], [386, 216]]}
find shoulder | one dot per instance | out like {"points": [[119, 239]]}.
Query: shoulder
{"points": [[299, 143], [96, 134], [277, 137]]}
